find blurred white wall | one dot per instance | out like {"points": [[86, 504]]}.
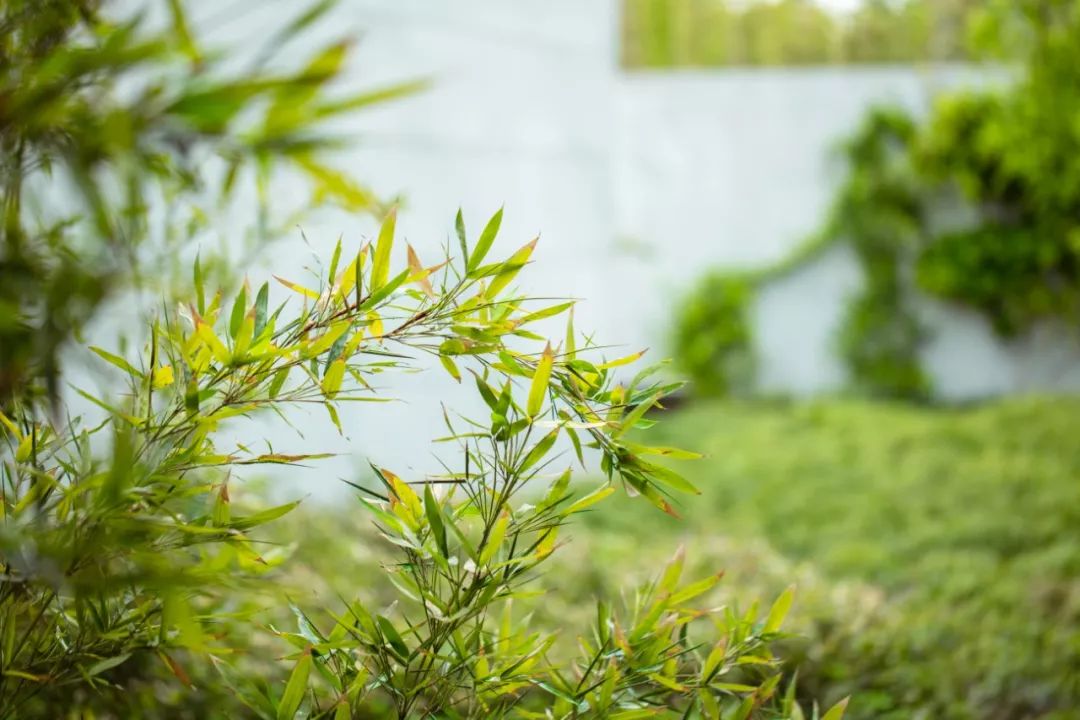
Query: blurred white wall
{"points": [[637, 182]]}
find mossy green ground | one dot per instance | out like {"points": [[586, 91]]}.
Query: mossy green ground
{"points": [[938, 551]]}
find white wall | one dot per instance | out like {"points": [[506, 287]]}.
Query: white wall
{"points": [[637, 183]]}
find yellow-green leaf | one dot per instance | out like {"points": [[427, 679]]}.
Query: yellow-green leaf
{"points": [[116, 360], [495, 538], [621, 361], [692, 590], [836, 712], [779, 610], [306, 292], [487, 237], [451, 367], [332, 379], [590, 499], [380, 268], [509, 269], [217, 348], [540, 382]]}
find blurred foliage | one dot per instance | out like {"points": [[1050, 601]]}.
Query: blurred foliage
{"points": [[107, 124], [711, 33], [877, 212], [936, 551], [979, 204], [140, 579], [713, 335]]}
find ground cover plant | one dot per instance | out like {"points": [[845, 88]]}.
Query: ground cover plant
{"points": [[935, 551]]}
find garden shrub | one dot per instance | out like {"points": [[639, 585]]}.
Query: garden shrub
{"points": [[713, 336]]}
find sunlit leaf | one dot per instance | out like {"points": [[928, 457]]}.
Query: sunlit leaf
{"points": [[539, 386], [487, 237], [380, 268]]}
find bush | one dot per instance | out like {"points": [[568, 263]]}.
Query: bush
{"points": [[944, 546]]}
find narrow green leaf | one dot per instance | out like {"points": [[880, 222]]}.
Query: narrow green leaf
{"points": [[107, 664], [540, 382], [261, 518], [392, 636], [435, 520], [335, 375], [590, 499], [668, 477], [459, 227], [545, 313], [836, 712], [278, 382], [385, 291], [182, 32], [334, 261], [692, 590], [495, 538], [295, 688], [509, 269], [636, 414], [116, 360], [539, 450], [236, 319], [380, 269], [451, 367], [487, 237], [673, 571], [200, 295], [260, 308], [779, 610]]}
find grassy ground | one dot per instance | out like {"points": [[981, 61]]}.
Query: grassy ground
{"points": [[938, 551]]}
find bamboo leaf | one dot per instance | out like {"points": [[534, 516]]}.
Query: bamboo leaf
{"points": [[106, 664], [451, 367], [692, 590], [380, 268], [236, 319], [539, 450], [779, 610], [459, 228], [636, 414], [836, 712], [540, 381], [217, 348], [117, 361], [590, 499], [295, 688], [306, 292], [487, 237], [495, 538], [434, 516], [335, 375], [260, 308], [509, 269]]}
